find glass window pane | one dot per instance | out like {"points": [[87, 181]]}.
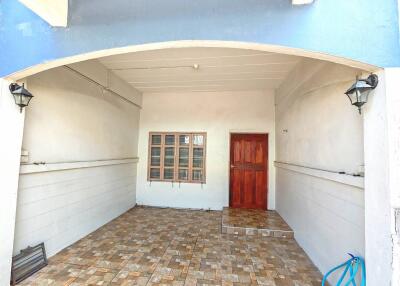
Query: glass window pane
{"points": [[169, 139], [156, 139], [183, 157], [184, 140], [198, 140], [169, 156], [198, 157], [155, 156], [168, 174], [183, 174], [197, 175], [154, 173]]}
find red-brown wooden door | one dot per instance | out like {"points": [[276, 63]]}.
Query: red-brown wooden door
{"points": [[248, 171]]}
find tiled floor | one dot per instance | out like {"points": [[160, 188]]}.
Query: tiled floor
{"points": [[254, 222], [153, 246]]}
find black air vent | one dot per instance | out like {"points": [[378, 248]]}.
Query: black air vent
{"points": [[27, 262]]}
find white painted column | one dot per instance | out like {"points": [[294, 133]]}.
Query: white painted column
{"points": [[393, 114], [379, 217], [11, 130]]}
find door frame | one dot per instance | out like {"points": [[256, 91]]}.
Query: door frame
{"points": [[267, 161]]}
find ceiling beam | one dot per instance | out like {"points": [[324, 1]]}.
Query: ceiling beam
{"points": [[302, 2], [54, 12]]}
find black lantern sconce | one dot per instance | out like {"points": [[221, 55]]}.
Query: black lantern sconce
{"points": [[21, 95], [359, 91]]}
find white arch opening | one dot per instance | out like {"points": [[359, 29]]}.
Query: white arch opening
{"points": [[190, 44]]}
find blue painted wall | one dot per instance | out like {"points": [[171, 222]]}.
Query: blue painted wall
{"points": [[364, 30]]}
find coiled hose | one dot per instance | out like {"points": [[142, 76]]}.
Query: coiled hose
{"points": [[352, 267]]}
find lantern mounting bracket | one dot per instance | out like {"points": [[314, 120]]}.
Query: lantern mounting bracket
{"points": [[13, 86], [372, 80]]}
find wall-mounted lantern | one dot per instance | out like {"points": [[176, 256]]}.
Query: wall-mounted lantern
{"points": [[21, 95], [359, 91]]}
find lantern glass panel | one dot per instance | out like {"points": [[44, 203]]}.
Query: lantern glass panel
{"points": [[364, 96], [25, 100], [17, 99], [352, 97], [359, 98], [21, 99]]}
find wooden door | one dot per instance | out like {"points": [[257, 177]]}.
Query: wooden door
{"points": [[248, 171]]}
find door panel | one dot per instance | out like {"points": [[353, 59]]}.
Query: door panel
{"points": [[236, 184], [248, 188], [260, 155], [248, 171], [248, 151], [237, 156], [260, 189]]}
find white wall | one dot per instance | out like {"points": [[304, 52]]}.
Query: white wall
{"points": [[80, 132], [11, 128], [61, 207], [218, 114], [317, 127], [381, 145], [392, 76]]}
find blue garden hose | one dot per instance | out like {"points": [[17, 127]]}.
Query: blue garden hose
{"points": [[352, 265]]}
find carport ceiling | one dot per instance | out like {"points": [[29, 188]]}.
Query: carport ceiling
{"points": [[219, 69]]}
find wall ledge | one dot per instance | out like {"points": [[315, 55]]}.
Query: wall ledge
{"points": [[357, 182], [51, 167]]}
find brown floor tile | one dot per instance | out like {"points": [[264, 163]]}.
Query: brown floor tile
{"points": [[155, 246]]}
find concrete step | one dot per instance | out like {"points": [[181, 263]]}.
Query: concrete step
{"points": [[254, 222]]}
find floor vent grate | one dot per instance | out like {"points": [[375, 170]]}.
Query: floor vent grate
{"points": [[27, 262]]}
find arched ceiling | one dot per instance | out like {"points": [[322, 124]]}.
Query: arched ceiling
{"points": [[201, 69]]}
